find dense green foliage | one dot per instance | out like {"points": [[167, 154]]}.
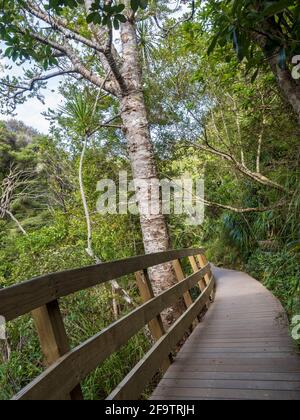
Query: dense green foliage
{"points": [[56, 240], [211, 109], [240, 21]]}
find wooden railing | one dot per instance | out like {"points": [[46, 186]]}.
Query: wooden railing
{"points": [[67, 368]]}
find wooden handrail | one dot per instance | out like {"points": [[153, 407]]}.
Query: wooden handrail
{"points": [[67, 368], [24, 297], [134, 383]]}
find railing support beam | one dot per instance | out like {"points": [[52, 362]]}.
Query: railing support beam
{"points": [[156, 326], [186, 296], [202, 260], [53, 337], [193, 262]]}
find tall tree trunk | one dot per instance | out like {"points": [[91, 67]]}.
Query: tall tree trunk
{"points": [[134, 116], [129, 89], [289, 87]]}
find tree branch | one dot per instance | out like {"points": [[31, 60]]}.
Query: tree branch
{"points": [[231, 208], [241, 167], [73, 56], [60, 25], [259, 144], [29, 87], [187, 19], [107, 124], [9, 213], [9, 185], [109, 56], [238, 126], [244, 209], [261, 179]]}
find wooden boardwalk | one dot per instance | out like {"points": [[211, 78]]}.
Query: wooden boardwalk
{"points": [[240, 350]]}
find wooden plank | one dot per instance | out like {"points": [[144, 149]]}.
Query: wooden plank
{"points": [[247, 343], [186, 296], [239, 351], [211, 367], [51, 331], [144, 285], [246, 340], [79, 362], [53, 338], [230, 384], [202, 263], [22, 298], [239, 355], [249, 349], [202, 283], [180, 276], [241, 332], [240, 320], [242, 394], [135, 382], [155, 325], [248, 376]]}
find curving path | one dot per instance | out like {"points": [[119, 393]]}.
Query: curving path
{"points": [[240, 350]]}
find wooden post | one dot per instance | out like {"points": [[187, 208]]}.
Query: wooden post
{"points": [[53, 337], [202, 262], [186, 296], [155, 325], [195, 268]]}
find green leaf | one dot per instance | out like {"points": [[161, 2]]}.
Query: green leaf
{"points": [[8, 52], [105, 20], [116, 24], [277, 7], [90, 17], [134, 5], [121, 18], [108, 9], [45, 64], [119, 8], [94, 18], [213, 44], [143, 4], [254, 76]]}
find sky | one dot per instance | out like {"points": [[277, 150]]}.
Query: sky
{"points": [[31, 111]]}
